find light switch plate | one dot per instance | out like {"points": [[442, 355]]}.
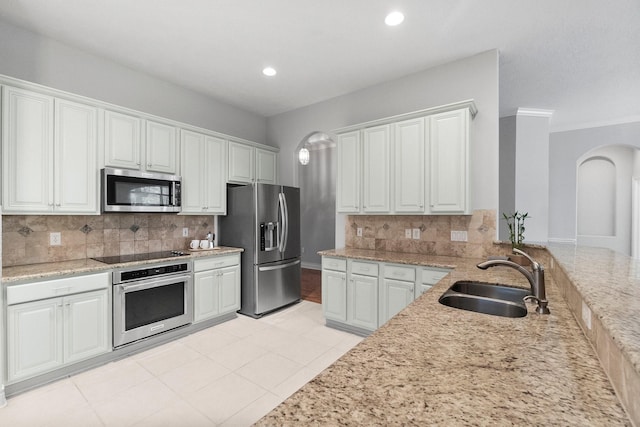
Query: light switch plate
{"points": [[416, 233], [55, 239], [359, 231], [407, 233], [185, 232]]}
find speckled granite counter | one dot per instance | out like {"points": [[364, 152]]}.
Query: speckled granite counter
{"points": [[53, 269], [436, 365]]}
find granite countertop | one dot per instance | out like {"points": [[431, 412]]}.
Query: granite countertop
{"points": [[436, 365], [23, 273]]}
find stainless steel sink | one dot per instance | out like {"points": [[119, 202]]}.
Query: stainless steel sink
{"points": [[487, 298]]}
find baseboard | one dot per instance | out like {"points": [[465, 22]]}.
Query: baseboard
{"points": [[561, 240], [311, 265]]}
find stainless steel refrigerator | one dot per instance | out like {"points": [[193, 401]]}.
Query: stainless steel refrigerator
{"points": [[264, 219]]}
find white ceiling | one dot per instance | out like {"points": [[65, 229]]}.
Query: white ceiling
{"points": [[580, 58]]}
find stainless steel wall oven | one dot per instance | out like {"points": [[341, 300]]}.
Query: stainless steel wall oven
{"points": [[151, 299]]}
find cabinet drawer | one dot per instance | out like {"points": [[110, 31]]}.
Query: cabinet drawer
{"points": [[364, 268], [338, 264], [431, 276], [215, 262], [17, 294], [407, 274]]}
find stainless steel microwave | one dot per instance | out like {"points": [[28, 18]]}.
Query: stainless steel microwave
{"points": [[126, 190]]}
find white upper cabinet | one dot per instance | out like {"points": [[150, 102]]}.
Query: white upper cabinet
{"points": [[203, 171], [348, 174], [376, 150], [248, 164], [409, 150], [449, 162], [75, 150], [161, 148], [124, 143], [414, 166], [122, 140], [49, 151], [27, 151], [266, 166]]}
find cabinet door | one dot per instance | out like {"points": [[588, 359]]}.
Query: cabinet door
{"points": [[122, 136], [229, 292], [240, 162], [86, 320], [396, 296], [363, 301], [34, 338], [162, 148], [409, 148], [206, 295], [448, 162], [27, 151], [348, 173], [215, 171], [192, 159], [76, 163], [334, 295], [375, 169], [266, 166]]}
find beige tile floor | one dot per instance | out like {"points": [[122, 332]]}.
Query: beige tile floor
{"points": [[228, 375]]}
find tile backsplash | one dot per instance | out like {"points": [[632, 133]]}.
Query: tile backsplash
{"points": [[25, 238], [387, 233]]}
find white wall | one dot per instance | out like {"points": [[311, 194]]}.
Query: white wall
{"points": [[474, 77], [507, 173], [28, 56], [318, 205], [532, 174], [565, 148]]}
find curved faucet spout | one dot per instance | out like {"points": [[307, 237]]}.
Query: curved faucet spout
{"points": [[495, 262], [535, 278]]}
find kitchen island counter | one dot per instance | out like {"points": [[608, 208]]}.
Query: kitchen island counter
{"points": [[436, 365]]}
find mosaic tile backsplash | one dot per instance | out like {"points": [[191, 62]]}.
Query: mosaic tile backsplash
{"points": [[25, 238], [387, 233]]}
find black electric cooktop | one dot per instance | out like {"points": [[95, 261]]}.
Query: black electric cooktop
{"points": [[117, 259]]}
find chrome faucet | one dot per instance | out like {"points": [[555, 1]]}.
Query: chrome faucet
{"points": [[535, 278]]}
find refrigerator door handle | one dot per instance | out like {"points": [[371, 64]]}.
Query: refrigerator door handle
{"points": [[279, 267], [286, 223], [283, 228]]}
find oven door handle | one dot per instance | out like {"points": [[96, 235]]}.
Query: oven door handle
{"points": [[152, 283]]}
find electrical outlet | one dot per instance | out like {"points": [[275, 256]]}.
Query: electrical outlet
{"points": [[458, 236], [55, 239], [416, 233], [359, 231], [185, 231], [407, 233]]}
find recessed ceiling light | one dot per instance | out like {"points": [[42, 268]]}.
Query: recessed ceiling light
{"points": [[394, 18], [269, 71]]}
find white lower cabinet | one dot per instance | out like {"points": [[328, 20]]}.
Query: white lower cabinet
{"points": [[397, 290], [362, 298], [359, 296], [216, 287], [45, 334], [334, 294]]}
